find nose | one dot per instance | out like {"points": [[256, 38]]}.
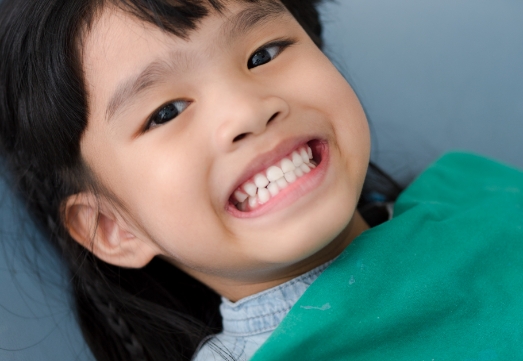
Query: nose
{"points": [[242, 111]]}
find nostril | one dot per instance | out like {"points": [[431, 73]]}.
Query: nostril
{"points": [[239, 137], [243, 135], [273, 117]]}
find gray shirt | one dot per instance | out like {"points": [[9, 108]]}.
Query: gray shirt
{"points": [[250, 321]]}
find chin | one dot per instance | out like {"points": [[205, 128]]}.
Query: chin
{"points": [[311, 235]]}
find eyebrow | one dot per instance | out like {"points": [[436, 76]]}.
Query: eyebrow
{"points": [[246, 20], [253, 16], [132, 87]]}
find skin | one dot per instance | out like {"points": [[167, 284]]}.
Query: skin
{"points": [[172, 182]]}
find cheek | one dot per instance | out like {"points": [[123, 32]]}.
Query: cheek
{"points": [[163, 188], [313, 81], [157, 182], [317, 84]]}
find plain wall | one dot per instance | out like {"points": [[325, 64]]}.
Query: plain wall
{"points": [[433, 76]]}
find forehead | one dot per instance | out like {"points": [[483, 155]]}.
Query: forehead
{"points": [[120, 46], [181, 17], [228, 19]]}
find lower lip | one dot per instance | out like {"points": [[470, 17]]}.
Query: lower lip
{"points": [[294, 191]]}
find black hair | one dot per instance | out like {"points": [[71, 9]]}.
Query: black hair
{"points": [[155, 313]]}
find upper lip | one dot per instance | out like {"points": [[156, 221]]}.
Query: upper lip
{"points": [[265, 160]]}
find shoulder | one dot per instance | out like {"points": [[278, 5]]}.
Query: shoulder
{"points": [[460, 180]]}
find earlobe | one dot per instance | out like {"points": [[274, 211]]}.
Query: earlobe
{"points": [[96, 225]]}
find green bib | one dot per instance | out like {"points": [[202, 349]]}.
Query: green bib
{"points": [[442, 280]]}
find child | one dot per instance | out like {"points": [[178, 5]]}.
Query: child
{"points": [[210, 135]]}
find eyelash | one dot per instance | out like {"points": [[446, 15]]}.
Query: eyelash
{"points": [[180, 105], [281, 44], [177, 106]]}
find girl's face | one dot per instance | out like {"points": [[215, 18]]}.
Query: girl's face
{"points": [[177, 127]]}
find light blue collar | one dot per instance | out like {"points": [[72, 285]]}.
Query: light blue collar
{"points": [[263, 312]]}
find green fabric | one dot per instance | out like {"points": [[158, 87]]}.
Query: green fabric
{"points": [[442, 280]]}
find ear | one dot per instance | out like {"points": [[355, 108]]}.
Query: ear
{"points": [[96, 224]]}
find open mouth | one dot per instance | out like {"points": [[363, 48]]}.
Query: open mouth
{"points": [[278, 178]]}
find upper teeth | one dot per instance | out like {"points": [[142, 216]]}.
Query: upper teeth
{"points": [[269, 183]]}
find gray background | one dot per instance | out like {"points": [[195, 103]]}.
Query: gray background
{"points": [[432, 76]]}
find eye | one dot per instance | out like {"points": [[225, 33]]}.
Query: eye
{"points": [[267, 53], [167, 112]]}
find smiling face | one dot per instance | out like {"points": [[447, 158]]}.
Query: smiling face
{"points": [[180, 131]]}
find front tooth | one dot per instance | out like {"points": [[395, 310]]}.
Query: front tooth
{"points": [[287, 165], [309, 152], [282, 183], [274, 173], [240, 196], [304, 155], [260, 180], [263, 195], [253, 202], [296, 159], [299, 172], [290, 177], [273, 188], [305, 168], [250, 188]]}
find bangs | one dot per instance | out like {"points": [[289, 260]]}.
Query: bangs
{"points": [[178, 17]]}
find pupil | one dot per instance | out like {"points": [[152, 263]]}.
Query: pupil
{"points": [[167, 113], [261, 57]]}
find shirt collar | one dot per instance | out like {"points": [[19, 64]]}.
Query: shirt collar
{"points": [[263, 311]]}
